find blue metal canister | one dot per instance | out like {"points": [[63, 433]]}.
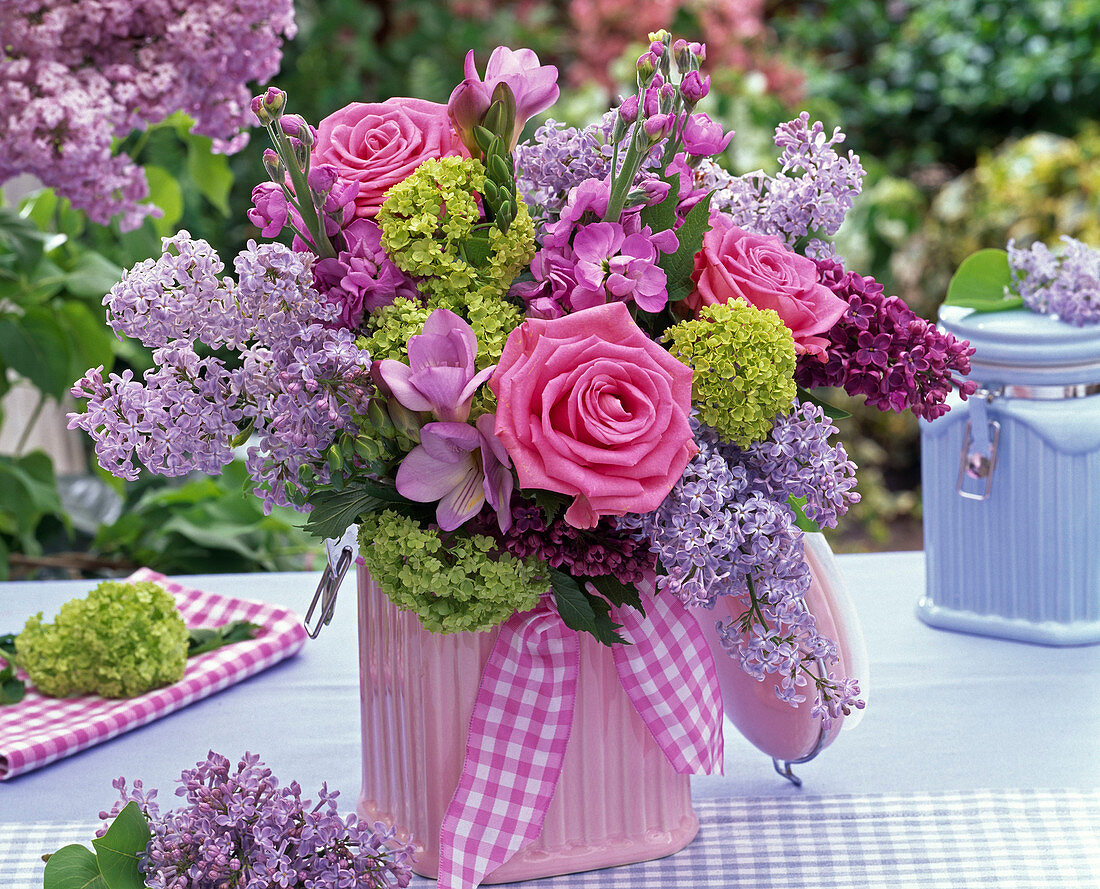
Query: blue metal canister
{"points": [[1011, 484]]}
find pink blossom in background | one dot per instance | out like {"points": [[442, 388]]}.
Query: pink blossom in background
{"points": [[589, 406], [762, 271], [378, 144], [77, 76]]}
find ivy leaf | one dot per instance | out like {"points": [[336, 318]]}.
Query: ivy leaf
{"points": [[980, 282], [73, 867], [831, 410], [203, 639], [679, 265], [617, 593], [120, 847]]}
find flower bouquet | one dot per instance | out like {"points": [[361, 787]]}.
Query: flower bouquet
{"points": [[564, 389]]}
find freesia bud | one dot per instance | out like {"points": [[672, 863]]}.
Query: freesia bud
{"points": [[468, 103]]}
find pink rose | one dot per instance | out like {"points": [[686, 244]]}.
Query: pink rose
{"points": [[378, 144], [589, 406], [759, 269]]}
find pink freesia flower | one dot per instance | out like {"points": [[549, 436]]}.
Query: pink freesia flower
{"points": [[440, 376], [762, 271], [461, 466], [591, 407], [534, 85]]}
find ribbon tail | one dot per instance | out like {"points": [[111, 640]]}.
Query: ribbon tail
{"points": [[519, 731], [668, 672]]}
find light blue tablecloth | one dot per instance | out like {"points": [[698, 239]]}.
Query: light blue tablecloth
{"points": [[946, 712]]}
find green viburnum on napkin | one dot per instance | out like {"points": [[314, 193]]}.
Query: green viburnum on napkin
{"points": [[122, 640]]}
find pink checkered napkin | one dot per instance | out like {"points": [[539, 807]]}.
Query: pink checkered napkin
{"points": [[39, 730]]}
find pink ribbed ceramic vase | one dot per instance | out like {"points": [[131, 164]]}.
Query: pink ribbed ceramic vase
{"points": [[618, 801]]}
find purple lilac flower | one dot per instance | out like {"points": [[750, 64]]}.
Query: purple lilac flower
{"points": [[726, 529], [188, 411], [812, 192], [237, 827], [78, 76], [882, 350], [558, 159], [605, 549], [1066, 284]]}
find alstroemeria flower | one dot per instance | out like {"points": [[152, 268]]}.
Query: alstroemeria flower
{"points": [[534, 85], [462, 467], [441, 376]]}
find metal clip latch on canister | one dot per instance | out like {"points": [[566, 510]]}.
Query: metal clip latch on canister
{"points": [[341, 552], [978, 458]]}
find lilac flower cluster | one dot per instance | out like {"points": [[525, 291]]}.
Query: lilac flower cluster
{"points": [[1066, 283], [811, 194], [188, 412], [77, 76], [602, 550], [726, 529], [883, 350], [238, 829], [558, 159]]}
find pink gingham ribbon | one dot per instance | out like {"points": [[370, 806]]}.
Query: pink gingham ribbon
{"points": [[523, 715]]}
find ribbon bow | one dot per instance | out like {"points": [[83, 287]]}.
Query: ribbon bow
{"points": [[523, 715]]}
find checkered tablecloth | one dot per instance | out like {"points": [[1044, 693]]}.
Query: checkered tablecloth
{"points": [[1029, 839]]}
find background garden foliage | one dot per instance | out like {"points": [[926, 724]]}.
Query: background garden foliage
{"points": [[976, 120]]}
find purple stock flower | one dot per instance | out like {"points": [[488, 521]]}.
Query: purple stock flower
{"points": [[440, 376], [270, 209], [613, 266], [535, 87], [694, 87], [462, 467], [704, 137]]}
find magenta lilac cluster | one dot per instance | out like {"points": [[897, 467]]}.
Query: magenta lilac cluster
{"points": [[1065, 283], [239, 829], [883, 350], [76, 77], [594, 552]]}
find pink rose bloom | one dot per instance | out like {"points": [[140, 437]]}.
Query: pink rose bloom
{"points": [[378, 144], [759, 269], [589, 406]]}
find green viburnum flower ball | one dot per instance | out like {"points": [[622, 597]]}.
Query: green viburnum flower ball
{"points": [[430, 219], [742, 361], [121, 640], [453, 586]]}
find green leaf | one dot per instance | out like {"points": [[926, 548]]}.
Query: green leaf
{"points": [[477, 250], [204, 639], [661, 217], [334, 511], [831, 410], [164, 192], [120, 847], [616, 592], [981, 281], [73, 867], [581, 612], [678, 266], [90, 341], [92, 275], [36, 346], [7, 645], [12, 688], [209, 171], [798, 504], [550, 502]]}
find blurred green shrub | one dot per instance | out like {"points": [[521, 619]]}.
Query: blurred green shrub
{"points": [[936, 80]]}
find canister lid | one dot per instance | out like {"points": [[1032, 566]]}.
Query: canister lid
{"points": [[1025, 346]]}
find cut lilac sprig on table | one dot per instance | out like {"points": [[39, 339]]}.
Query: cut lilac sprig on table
{"points": [[1062, 282], [238, 827]]}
